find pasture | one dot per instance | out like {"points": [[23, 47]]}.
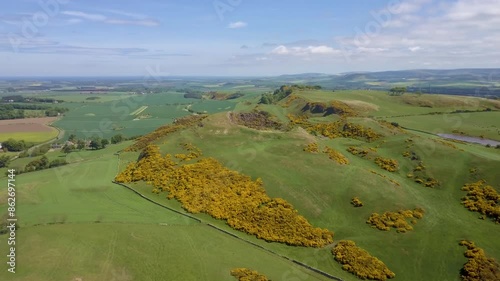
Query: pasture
{"points": [[321, 190], [75, 224], [473, 124]]}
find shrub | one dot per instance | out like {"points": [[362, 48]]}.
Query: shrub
{"points": [[259, 120], [336, 156], [479, 267], [208, 187], [312, 147], [482, 198], [390, 165], [359, 262], [356, 202], [245, 274], [397, 220]]}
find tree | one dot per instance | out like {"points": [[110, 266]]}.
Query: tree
{"points": [[104, 142], [397, 91], [72, 138], [67, 149], [44, 162], [13, 145], [57, 163], [80, 144], [96, 143], [4, 161], [117, 139]]}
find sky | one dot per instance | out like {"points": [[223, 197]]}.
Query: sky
{"points": [[244, 37]]}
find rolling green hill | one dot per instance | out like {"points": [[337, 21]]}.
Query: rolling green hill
{"points": [[105, 230]]}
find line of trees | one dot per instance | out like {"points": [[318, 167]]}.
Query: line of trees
{"points": [[41, 164], [15, 145], [96, 143], [16, 111]]}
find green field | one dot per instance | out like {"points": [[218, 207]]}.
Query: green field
{"points": [[119, 233], [378, 104], [35, 137], [107, 119], [84, 98], [473, 124], [75, 223]]}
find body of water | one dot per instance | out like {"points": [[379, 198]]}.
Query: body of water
{"points": [[470, 139]]}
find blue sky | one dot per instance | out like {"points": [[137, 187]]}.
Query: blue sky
{"points": [[244, 37]]}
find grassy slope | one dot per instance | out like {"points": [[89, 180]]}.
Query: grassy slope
{"points": [[60, 238], [139, 252], [407, 104], [321, 190]]}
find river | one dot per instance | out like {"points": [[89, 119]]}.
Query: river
{"points": [[470, 139]]}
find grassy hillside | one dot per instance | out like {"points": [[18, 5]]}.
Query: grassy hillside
{"points": [[105, 229], [75, 223]]}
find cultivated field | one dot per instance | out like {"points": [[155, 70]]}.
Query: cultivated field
{"points": [[29, 129], [107, 119]]}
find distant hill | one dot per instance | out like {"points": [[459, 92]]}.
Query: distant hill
{"points": [[471, 82]]}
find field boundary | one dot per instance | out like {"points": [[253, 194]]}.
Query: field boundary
{"points": [[325, 274]]}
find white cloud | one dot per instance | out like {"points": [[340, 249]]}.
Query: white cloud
{"points": [[238, 24], [414, 49], [144, 22], [371, 50], [304, 51], [322, 50], [86, 16], [135, 20], [463, 33], [280, 50]]}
